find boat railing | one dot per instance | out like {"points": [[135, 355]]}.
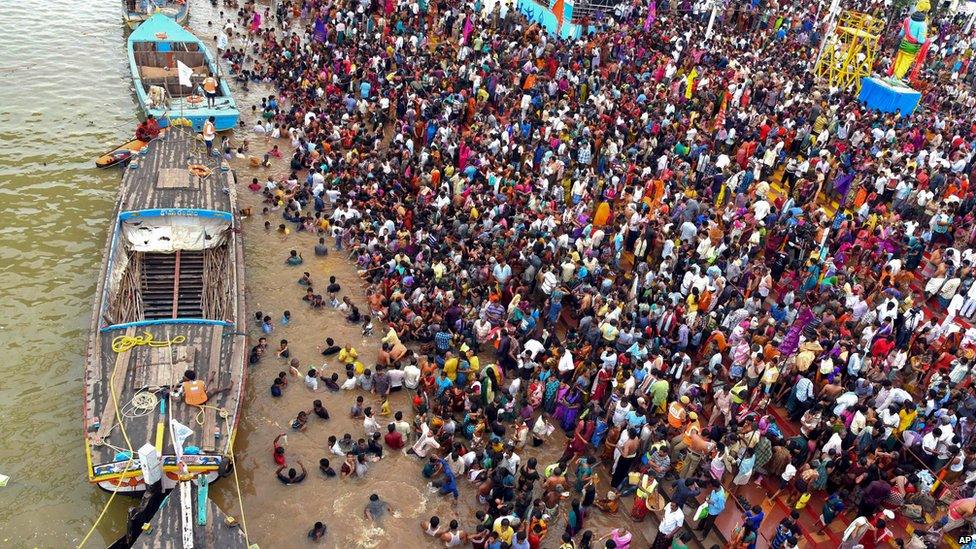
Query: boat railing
{"points": [[166, 321], [186, 212]]}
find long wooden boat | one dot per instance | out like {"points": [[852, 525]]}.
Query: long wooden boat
{"points": [[156, 49], [135, 12], [169, 300]]}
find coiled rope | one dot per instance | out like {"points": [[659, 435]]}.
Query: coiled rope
{"points": [[125, 343]]}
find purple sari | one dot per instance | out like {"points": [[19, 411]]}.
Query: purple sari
{"points": [[792, 340], [566, 413]]}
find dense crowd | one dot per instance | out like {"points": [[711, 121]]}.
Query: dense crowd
{"points": [[702, 266]]}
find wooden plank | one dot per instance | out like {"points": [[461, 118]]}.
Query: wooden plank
{"points": [[186, 514], [174, 178], [209, 429], [145, 370], [118, 379], [176, 286], [185, 356], [210, 416], [216, 342], [209, 535]]}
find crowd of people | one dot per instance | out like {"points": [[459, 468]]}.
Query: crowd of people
{"points": [[703, 266]]}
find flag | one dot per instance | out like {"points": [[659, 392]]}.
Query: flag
{"points": [[559, 10], [186, 73], [180, 433]]}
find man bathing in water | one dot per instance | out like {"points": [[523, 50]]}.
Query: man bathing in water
{"points": [[376, 508], [293, 477]]}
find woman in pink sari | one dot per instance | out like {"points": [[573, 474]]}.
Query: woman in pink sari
{"points": [[255, 22]]}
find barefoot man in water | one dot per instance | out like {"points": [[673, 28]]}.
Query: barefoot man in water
{"points": [[376, 508]]}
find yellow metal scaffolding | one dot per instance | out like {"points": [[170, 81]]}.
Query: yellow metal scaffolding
{"points": [[850, 50]]}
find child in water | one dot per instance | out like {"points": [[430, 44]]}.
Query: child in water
{"points": [[283, 351], [357, 409], [326, 468], [300, 421]]}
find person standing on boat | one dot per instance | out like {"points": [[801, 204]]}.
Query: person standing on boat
{"points": [[148, 129], [209, 134], [210, 90]]}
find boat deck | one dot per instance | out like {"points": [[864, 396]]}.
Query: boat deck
{"points": [[193, 296], [208, 349], [181, 508], [162, 181]]}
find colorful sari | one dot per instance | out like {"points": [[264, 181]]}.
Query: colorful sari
{"points": [[568, 409]]}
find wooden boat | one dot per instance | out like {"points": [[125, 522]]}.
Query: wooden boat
{"points": [[135, 12], [156, 49], [121, 154], [170, 299]]}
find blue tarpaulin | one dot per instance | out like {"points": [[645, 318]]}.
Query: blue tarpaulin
{"points": [[885, 96]]}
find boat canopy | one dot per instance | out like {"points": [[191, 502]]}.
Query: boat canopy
{"points": [[160, 28], [168, 230]]}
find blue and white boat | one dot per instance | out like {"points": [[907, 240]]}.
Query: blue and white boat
{"points": [[159, 49], [136, 11]]}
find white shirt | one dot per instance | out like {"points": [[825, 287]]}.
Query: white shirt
{"points": [[370, 425], [411, 376], [672, 520], [425, 443], [396, 378], [534, 347], [835, 443], [566, 363]]}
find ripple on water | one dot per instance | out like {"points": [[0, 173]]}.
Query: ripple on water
{"points": [[406, 500]]}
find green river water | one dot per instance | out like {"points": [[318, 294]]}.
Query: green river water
{"points": [[65, 97]]}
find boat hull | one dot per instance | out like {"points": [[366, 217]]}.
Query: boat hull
{"points": [[180, 15], [222, 120], [136, 485], [120, 155], [180, 106], [130, 412]]}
